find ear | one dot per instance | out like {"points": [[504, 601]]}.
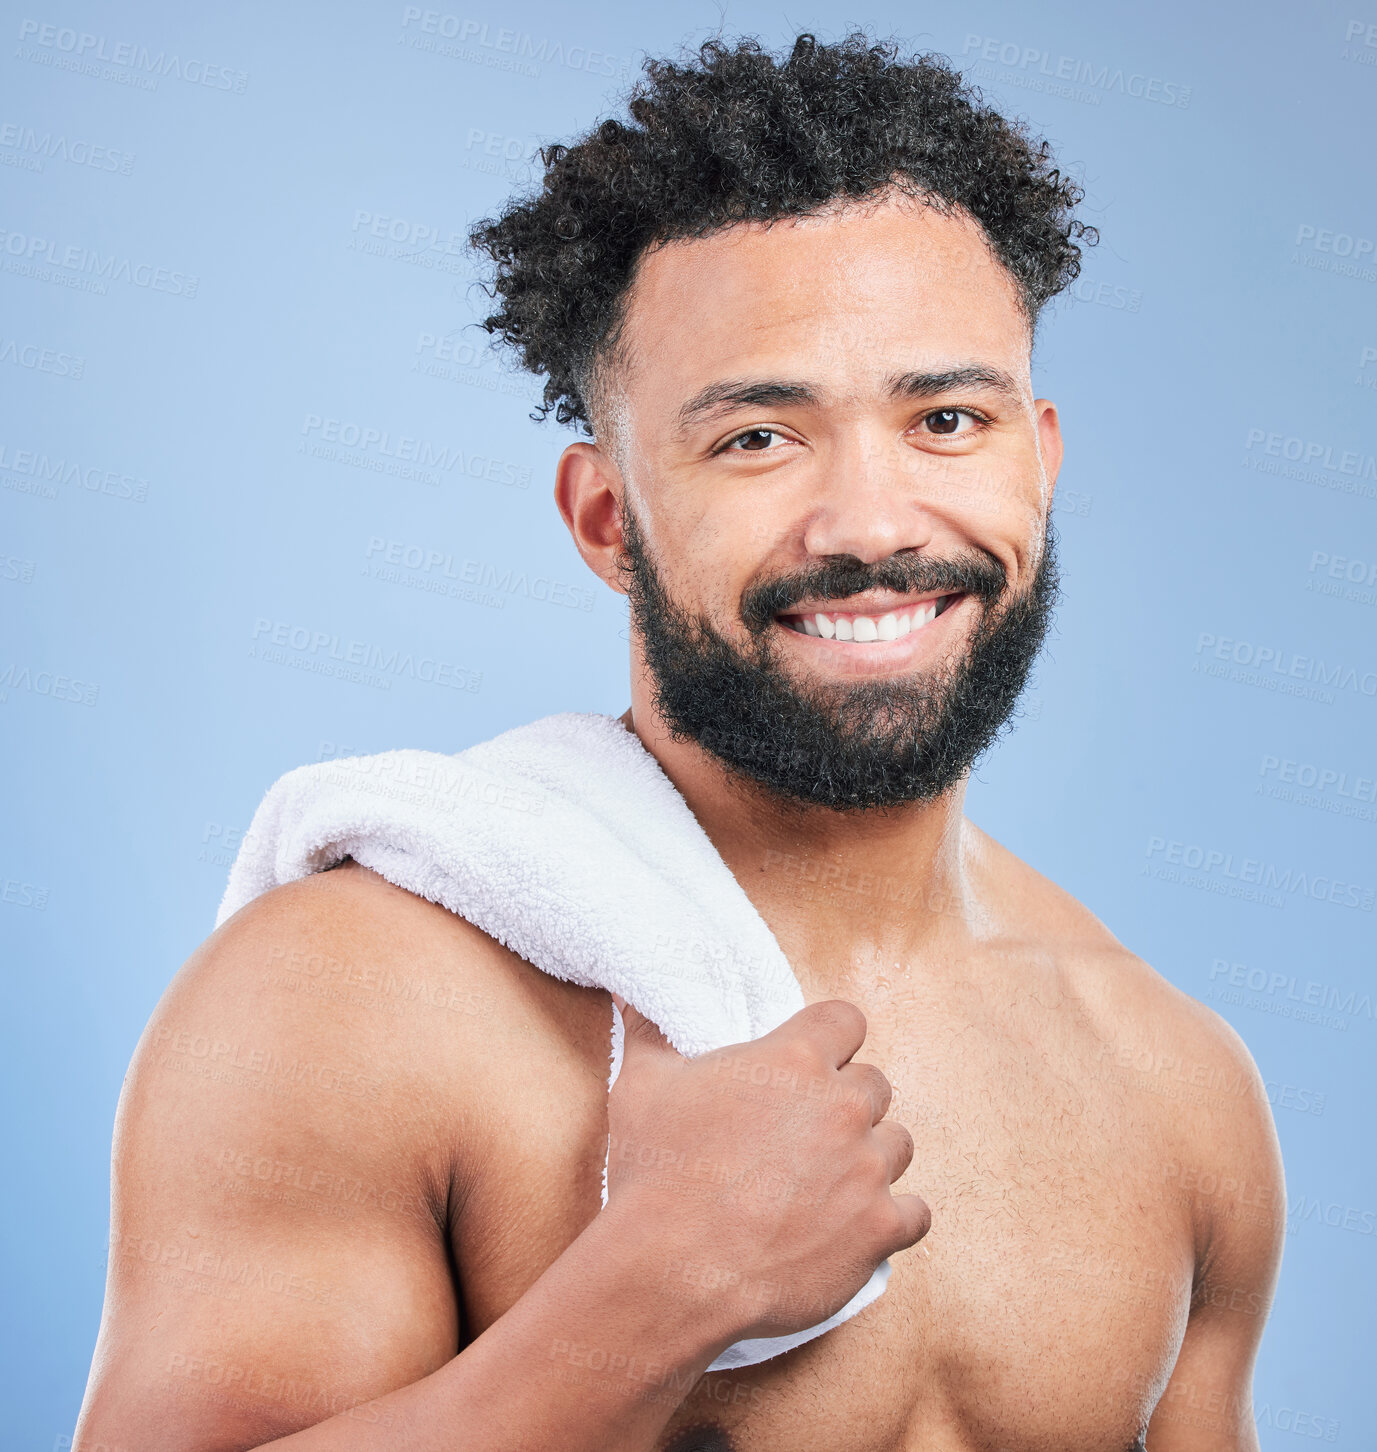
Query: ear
{"points": [[589, 490], [1049, 442]]}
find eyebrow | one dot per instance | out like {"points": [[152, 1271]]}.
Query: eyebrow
{"points": [[724, 397], [969, 375]]}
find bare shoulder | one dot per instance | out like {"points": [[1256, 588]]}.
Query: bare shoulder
{"points": [[346, 987], [1189, 1072], [1130, 1002], [1182, 1068], [339, 986], [299, 1132], [310, 1046]]}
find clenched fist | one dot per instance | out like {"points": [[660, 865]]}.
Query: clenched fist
{"points": [[764, 1167]]}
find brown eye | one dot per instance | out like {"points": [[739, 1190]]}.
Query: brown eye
{"points": [[754, 440], [944, 421]]}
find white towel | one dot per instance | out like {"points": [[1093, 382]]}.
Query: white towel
{"points": [[565, 841]]}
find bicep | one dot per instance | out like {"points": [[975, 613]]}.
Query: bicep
{"points": [[275, 1258], [1207, 1405], [1241, 1204]]}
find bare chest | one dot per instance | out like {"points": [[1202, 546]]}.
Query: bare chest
{"points": [[1051, 1290]]}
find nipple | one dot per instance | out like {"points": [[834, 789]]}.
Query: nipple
{"points": [[703, 1437]]}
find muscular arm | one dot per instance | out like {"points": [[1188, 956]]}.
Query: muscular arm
{"points": [[288, 1161], [1234, 1184]]}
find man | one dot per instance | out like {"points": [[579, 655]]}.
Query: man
{"points": [[792, 302]]}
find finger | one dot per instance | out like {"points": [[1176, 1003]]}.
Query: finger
{"points": [[897, 1143], [866, 1081], [835, 1025], [641, 1034], [915, 1219]]}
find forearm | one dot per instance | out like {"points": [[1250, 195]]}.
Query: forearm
{"points": [[595, 1357]]}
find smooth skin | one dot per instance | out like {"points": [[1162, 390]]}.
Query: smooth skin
{"points": [[359, 1137]]}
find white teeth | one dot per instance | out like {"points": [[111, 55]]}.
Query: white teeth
{"points": [[893, 626]]}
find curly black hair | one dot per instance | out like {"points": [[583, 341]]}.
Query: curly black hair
{"points": [[741, 136]]}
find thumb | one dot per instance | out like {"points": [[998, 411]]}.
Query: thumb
{"points": [[640, 1034]]}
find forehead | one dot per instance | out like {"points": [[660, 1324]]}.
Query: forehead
{"points": [[844, 299]]}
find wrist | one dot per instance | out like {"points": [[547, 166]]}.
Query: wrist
{"points": [[684, 1304]]}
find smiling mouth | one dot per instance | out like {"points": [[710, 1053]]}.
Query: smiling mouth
{"points": [[853, 626]]}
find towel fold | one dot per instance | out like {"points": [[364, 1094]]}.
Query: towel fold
{"points": [[565, 841]]}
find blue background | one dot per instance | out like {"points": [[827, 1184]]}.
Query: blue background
{"points": [[314, 168]]}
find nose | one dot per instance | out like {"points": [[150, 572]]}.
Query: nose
{"points": [[864, 504]]}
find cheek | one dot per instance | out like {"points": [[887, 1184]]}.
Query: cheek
{"points": [[983, 493], [706, 560], [679, 533], [999, 511], [719, 545]]}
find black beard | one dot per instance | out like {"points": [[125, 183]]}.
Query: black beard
{"points": [[857, 746]]}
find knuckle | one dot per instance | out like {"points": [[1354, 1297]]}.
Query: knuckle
{"points": [[856, 1108], [922, 1219], [838, 1013], [801, 1056], [883, 1221], [879, 1083]]}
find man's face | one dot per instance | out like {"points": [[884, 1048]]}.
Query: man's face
{"points": [[835, 494]]}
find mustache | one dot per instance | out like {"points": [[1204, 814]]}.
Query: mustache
{"points": [[967, 574]]}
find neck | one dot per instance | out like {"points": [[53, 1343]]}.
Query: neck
{"points": [[848, 895]]}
